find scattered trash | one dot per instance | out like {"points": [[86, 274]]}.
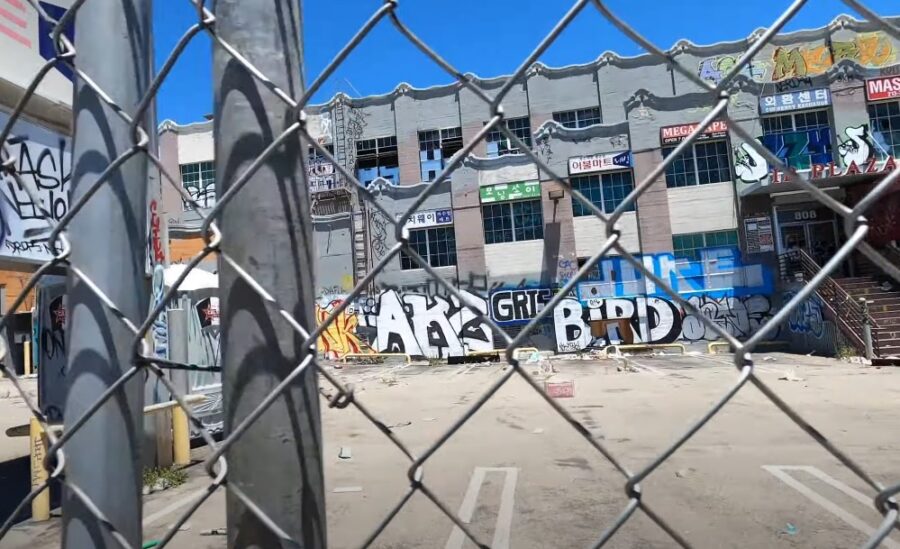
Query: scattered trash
{"points": [[769, 358], [215, 532], [684, 472], [401, 424], [790, 529], [347, 489], [538, 431], [428, 419], [184, 527], [345, 453], [811, 353], [860, 360], [390, 381], [560, 389], [534, 358], [790, 376]]}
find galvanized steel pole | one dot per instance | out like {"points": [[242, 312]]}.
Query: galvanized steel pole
{"points": [[267, 230], [103, 459]]}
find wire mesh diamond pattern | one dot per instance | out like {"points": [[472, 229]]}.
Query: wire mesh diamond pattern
{"points": [[143, 361]]}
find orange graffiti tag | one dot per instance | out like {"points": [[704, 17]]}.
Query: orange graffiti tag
{"points": [[340, 337]]}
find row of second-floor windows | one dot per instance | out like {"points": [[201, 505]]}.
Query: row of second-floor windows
{"points": [[884, 119], [702, 163], [199, 180], [436, 245], [377, 158], [435, 149], [606, 191], [512, 221]]}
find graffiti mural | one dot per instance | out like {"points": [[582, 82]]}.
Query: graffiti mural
{"points": [[51, 318], [810, 151], [519, 305], [656, 320], [795, 64], [340, 337], [807, 318], [43, 161], [159, 332], [425, 325], [719, 271]]}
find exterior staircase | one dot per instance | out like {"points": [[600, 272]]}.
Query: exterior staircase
{"points": [[883, 304]]}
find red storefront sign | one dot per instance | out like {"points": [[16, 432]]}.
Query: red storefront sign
{"points": [[886, 87], [669, 135]]}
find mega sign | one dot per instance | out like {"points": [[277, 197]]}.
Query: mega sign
{"points": [[599, 162], [886, 87], [670, 135]]}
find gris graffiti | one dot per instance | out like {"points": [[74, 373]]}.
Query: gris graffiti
{"points": [[519, 305], [423, 325], [656, 319]]}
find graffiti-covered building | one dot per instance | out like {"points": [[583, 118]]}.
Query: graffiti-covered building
{"points": [[40, 146], [716, 224]]}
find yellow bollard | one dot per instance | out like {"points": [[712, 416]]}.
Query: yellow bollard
{"points": [[181, 436], [40, 505], [26, 351]]}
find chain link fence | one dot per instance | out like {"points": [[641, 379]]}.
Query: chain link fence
{"points": [[267, 303]]}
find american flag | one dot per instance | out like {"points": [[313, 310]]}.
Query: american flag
{"points": [[14, 21]]}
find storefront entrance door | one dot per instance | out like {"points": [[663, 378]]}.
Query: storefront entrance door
{"points": [[813, 230]]}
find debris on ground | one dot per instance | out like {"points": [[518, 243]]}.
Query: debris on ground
{"points": [[560, 389], [428, 419], [345, 453], [790, 529], [215, 532], [390, 380], [682, 473], [859, 360], [790, 376], [347, 489], [538, 431], [769, 358], [401, 424]]}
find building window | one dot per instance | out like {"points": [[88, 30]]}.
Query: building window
{"points": [[704, 162], [688, 246], [435, 147], [606, 191], [377, 158], [199, 180], [512, 221], [579, 118], [437, 246], [799, 139], [497, 142], [884, 119]]}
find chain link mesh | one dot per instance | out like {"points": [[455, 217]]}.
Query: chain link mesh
{"points": [[143, 361]]}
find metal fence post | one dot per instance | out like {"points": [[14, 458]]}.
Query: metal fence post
{"points": [[109, 245], [267, 230], [867, 329]]}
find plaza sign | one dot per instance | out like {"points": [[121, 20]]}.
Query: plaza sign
{"points": [[820, 171], [510, 191]]}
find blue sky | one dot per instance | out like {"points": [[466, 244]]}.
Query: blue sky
{"points": [[487, 37]]}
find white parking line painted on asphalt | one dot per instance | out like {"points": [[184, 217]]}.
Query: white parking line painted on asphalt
{"points": [[503, 526], [779, 472], [630, 361]]}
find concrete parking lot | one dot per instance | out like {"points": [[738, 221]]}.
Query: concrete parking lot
{"points": [[523, 477]]}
